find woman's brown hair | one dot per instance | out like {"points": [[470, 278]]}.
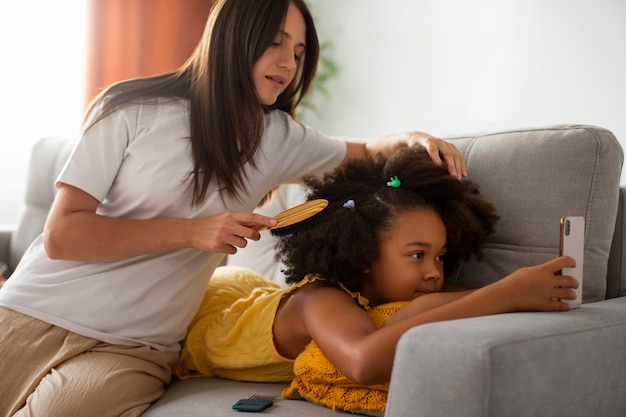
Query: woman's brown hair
{"points": [[226, 118]]}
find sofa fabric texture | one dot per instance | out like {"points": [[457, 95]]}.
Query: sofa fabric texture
{"points": [[512, 365], [46, 161], [569, 364], [534, 177]]}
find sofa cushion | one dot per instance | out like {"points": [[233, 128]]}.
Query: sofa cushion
{"points": [[556, 364], [616, 280], [47, 158], [200, 397], [535, 176]]}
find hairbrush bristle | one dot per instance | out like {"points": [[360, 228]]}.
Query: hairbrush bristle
{"points": [[301, 225]]}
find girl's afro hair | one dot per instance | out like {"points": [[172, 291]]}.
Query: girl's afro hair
{"points": [[342, 244]]}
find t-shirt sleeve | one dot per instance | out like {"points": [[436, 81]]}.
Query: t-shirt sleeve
{"points": [[299, 150], [98, 155]]}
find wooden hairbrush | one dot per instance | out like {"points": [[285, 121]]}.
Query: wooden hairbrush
{"points": [[296, 218]]}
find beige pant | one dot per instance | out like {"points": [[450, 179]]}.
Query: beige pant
{"points": [[48, 371]]}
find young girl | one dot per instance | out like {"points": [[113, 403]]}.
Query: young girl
{"points": [[159, 187], [390, 232]]}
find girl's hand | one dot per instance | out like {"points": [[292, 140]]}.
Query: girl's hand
{"points": [[541, 287]]}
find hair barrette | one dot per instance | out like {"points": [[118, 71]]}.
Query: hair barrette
{"points": [[394, 182], [349, 204]]}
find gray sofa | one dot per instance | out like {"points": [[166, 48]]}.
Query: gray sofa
{"points": [[521, 364]]}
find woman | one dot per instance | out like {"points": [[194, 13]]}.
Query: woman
{"points": [[160, 187]]}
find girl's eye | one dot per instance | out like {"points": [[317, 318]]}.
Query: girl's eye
{"points": [[297, 57], [421, 255]]}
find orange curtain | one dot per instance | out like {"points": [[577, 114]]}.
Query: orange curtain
{"points": [[135, 38]]}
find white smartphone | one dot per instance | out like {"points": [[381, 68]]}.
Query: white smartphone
{"points": [[572, 244]]}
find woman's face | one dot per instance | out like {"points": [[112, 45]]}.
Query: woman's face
{"points": [[410, 261], [277, 67]]}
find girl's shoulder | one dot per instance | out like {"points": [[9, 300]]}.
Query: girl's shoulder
{"points": [[320, 286]]}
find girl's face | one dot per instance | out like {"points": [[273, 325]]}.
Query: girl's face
{"points": [[410, 262], [277, 67]]}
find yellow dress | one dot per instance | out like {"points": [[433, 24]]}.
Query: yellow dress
{"points": [[231, 335]]}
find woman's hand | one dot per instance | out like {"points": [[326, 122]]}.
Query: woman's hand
{"points": [[436, 148], [226, 232]]}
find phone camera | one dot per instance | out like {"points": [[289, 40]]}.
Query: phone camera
{"points": [[567, 227]]}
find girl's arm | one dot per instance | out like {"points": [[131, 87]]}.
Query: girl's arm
{"points": [[74, 231], [425, 303], [436, 148], [348, 338], [450, 292]]}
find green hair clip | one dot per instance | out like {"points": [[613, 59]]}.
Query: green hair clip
{"points": [[394, 182]]}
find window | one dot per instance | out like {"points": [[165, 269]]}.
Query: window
{"points": [[43, 75]]}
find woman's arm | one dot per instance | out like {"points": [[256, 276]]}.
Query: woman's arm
{"points": [[74, 231], [435, 147], [365, 354]]}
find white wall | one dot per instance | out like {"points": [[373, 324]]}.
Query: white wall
{"points": [[42, 69], [457, 66], [442, 66]]}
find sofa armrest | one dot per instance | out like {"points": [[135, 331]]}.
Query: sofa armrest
{"points": [[6, 230], [522, 364], [615, 277]]}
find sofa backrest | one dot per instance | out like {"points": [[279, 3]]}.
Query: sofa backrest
{"points": [[533, 176], [47, 158], [616, 274]]}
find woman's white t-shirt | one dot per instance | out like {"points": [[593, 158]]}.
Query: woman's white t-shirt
{"points": [[136, 163]]}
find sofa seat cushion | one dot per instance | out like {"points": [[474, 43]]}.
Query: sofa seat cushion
{"points": [[201, 397]]}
